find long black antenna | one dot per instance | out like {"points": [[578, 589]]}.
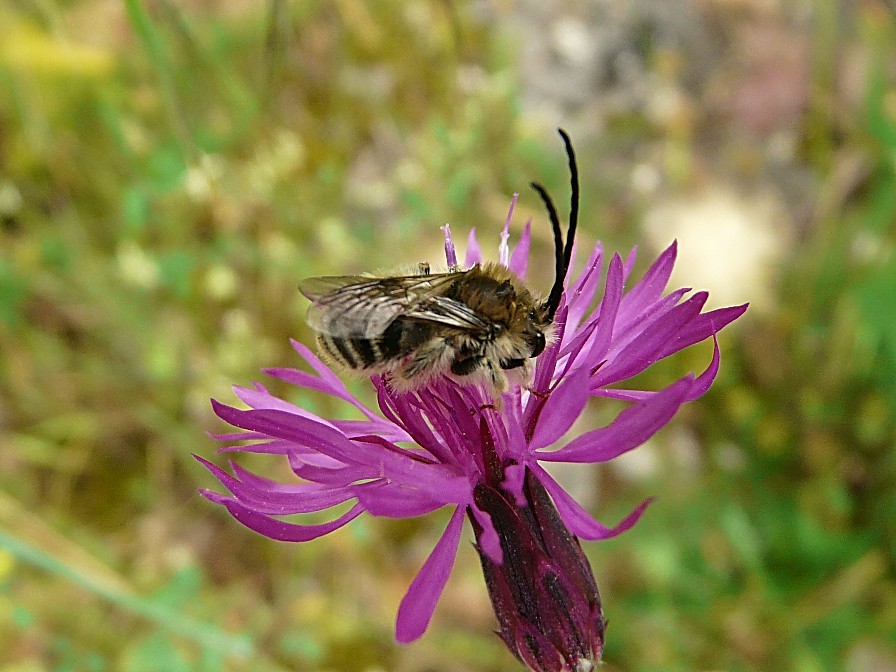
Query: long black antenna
{"points": [[573, 200], [553, 299], [562, 253]]}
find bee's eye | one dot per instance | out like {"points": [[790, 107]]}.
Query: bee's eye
{"points": [[538, 344]]}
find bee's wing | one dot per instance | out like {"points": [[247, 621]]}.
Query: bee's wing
{"points": [[314, 288], [448, 312], [355, 306]]}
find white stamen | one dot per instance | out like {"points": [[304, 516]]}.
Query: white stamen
{"points": [[503, 248]]}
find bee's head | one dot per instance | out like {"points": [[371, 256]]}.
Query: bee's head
{"points": [[562, 251], [538, 329], [537, 342]]}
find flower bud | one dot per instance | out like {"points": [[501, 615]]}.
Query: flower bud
{"points": [[543, 593]]}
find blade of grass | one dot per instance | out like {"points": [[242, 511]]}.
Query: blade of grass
{"points": [[45, 550], [153, 45]]}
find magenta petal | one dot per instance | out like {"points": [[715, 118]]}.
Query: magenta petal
{"points": [[577, 519], [703, 326], [474, 252], [280, 529], [651, 286], [355, 428], [397, 410], [629, 430], [389, 501], [519, 259], [315, 362], [517, 447], [623, 395], [700, 386], [489, 542], [630, 324], [268, 497], [561, 409], [546, 364], [705, 379], [652, 344], [306, 380], [419, 603], [581, 292], [235, 436], [609, 307], [258, 398], [301, 430]]}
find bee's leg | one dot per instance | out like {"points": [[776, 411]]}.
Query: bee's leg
{"points": [[518, 371], [464, 367], [429, 359], [498, 380]]}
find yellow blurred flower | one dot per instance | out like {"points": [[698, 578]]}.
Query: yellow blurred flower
{"points": [[28, 49]]}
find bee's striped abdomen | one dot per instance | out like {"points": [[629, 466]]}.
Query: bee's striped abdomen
{"points": [[355, 353], [399, 340]]}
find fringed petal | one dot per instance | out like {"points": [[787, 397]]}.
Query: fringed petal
{"points": [[629, 430], [519, 259], [280, 529], [702, 327], [276, 499], [384, 499], [561, 409], [303, 431], [647, 348], [577, 519], [599, 343], [651, 286], [419, 603], [582, 291]]}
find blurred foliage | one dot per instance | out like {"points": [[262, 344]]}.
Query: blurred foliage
{"points": [[170, 171]]}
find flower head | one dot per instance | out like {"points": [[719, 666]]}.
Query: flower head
{"points": [[449, 445]]}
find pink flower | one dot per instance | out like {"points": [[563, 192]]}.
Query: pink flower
{"points": [[449, 445]]}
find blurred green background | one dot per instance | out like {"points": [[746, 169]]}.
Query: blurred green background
{"points": [[170, 171]]}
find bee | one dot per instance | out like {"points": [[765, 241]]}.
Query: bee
{"points": [[477, 326]]}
